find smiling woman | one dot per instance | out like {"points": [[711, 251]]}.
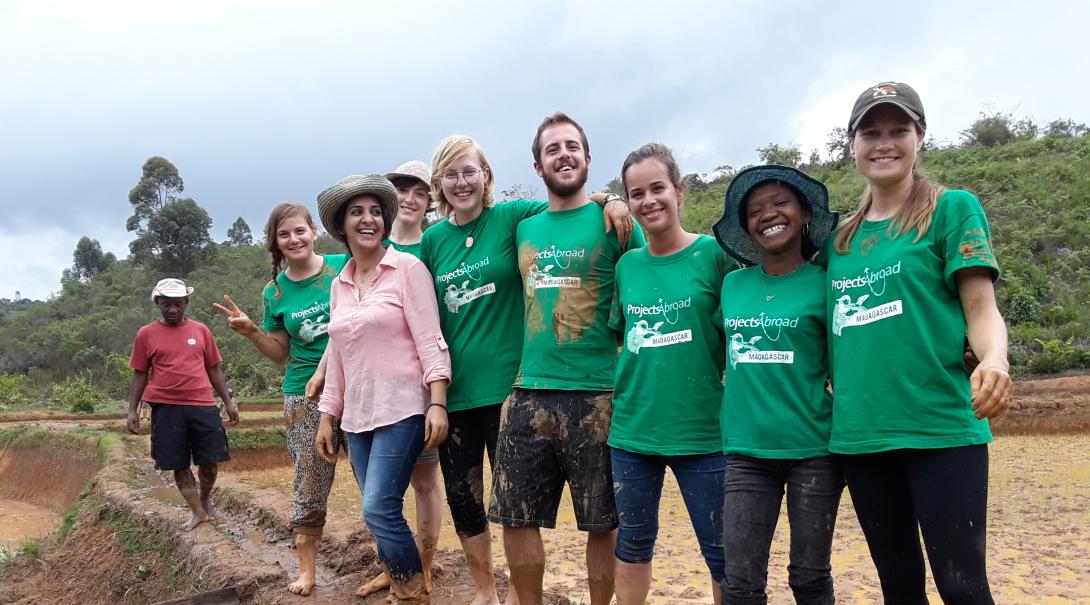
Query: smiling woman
{"points": [[388, 369]]}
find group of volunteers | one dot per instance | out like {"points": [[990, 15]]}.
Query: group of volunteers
{"points": [[575, 348]]}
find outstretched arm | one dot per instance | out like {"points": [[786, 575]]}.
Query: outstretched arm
{"points": [[991, 385], [275, 345]]}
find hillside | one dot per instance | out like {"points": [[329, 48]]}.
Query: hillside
{"points": [[1036, 192]]}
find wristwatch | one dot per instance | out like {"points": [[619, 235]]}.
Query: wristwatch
{"points": [[612, 197]]}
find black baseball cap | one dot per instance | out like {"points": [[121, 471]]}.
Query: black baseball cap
{"points": [[898, 93]]}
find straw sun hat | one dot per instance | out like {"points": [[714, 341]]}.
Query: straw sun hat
{"points": [[331, 200]]}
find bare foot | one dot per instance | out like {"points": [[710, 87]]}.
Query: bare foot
{"points": [[303, 585], [483, 600], [379, 582], [213, 514], [199, 516]]}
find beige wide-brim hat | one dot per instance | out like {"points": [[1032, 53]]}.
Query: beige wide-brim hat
{"points": [[348, 188], [171, 287]]}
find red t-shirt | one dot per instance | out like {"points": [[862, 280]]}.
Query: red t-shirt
{"points": [[178, 358]]}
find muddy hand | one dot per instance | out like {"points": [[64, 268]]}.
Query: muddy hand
{"points": [[133, 423], [236, 319], [232, 413], [435, 427], [991, 389], [619, 217], [315, 386]]}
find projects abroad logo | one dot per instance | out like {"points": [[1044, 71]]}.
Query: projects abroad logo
{"points": [[762, 321], [560, 257], [848, 313], [665, 309], [868, 279], [464, 270]]}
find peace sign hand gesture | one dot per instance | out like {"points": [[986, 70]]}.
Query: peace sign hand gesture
{"points": [[236, 319]]}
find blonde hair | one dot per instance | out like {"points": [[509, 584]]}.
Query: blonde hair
{"points": [[915, 214], [450, 149]]}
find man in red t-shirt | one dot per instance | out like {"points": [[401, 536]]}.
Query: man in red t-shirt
{"points": [[176, 364]]}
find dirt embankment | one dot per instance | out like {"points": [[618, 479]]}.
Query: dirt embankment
{"points": [[47, 471], [1047, 406]]}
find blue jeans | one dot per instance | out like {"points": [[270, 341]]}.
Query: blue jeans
{"points": [[753, 491], [383, 461], [637, 488]]}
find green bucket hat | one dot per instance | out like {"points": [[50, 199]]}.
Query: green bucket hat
{"points": [[730, 231], [350, 187]]}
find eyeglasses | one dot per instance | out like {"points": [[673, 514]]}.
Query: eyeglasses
{"points": [[472, 176]]}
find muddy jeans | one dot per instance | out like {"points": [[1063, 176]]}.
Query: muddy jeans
{"points": [[472, 433], [547, 438], [940, 492], [637, 485], [313, 476], [753, 492], [383, 461]]}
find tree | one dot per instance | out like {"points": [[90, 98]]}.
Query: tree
{"points": [[839, 146], [775, 154], [87, 261], [1065, 129], [176, 239], [989, 130], [615, 186], [159, 184], [239, 234]]}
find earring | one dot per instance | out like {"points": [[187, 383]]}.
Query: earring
{"points": [[806, 229]]}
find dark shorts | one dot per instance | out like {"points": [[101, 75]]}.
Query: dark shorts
{"points": [[187, 434], [548, 438]]}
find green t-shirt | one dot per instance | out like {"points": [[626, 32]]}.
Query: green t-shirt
{"points": [[669, 375], [413, 249], [480, 301], [897, 331], [302, 310], [775, 404], [567, 262]]}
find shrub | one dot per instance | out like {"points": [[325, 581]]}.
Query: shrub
{"points": [[1057, 356], [79, 395], [13, 389]]}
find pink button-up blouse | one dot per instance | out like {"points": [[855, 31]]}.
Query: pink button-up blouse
{"points": [[384, 350]]}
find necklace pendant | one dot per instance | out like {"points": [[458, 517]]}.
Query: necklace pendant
{"points": [[769, 298], [469, 241]]}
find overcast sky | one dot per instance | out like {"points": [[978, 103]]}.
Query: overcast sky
{"points": [[260, 102]]}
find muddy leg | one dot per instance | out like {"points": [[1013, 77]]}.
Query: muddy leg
{"points": [[633, 582], [526, 558], [207, 474], [429, 513], [601, 565], [307, 548], [478, 552], [187, 485]]}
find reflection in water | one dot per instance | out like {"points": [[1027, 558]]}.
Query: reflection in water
{"points": [[20, 521]]}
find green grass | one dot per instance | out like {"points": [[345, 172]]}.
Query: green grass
{"points": [[257, 438]]}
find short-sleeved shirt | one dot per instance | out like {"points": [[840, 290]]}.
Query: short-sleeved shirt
{"points": [[567, 262], [480, 300], [669, 375], [301, 308], [775, 404], [178, 358], [897, 332]]}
